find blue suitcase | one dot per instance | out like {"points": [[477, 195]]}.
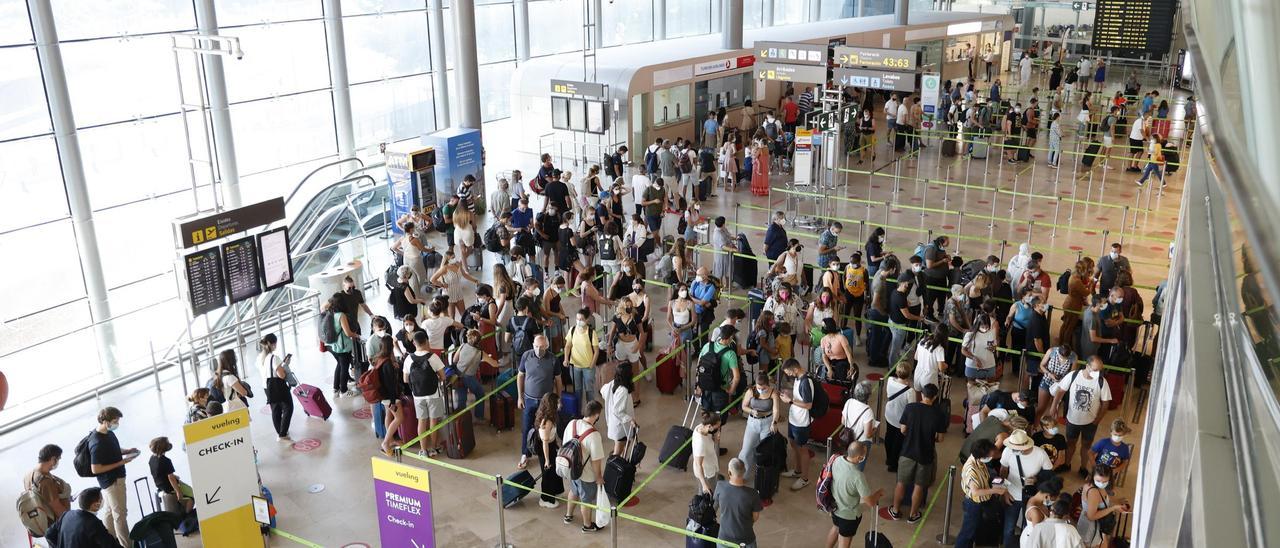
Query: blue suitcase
{"points": [[569, 404], [379, 413], [512, 494]]}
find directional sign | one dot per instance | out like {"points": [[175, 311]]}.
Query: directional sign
{"points": [[579, 90], [832, 120], [876, 79], [205, 229], [791, 53], [879, 58], [224, 479], [791, 73], [403, 494]]}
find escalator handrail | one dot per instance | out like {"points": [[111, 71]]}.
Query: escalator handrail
{"points": [[307, 177]]}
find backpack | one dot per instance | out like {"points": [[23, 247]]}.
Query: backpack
{"points": [[1064, 283], [686, 165], [569, 459], [855, 281], [371, 384], [608, 251], [33, 510], [709, 377], [771, 129], [825, 497], [820, 402], [535, 272], [666, 268], [214, 393], [423, 380], [920, 249], [328, 331], [521, 340], [391, 279], [82, 462], [492, 243], [651, 161], [702, 510], [437, 219]]}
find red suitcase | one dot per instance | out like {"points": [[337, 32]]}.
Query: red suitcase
{"points": [[502, 411], [408, 420], [459, 434], [822, 427], [313, 402], [669, 370], [1116, 382]]}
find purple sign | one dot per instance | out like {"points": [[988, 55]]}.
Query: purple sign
{"points": [[403, 496]]}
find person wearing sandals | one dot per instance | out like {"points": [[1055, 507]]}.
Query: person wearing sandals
{"points": [[390, 391], [545, 446]]}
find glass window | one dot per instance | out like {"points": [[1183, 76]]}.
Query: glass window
{"points": [[386, 46], [688, 17], [286, 130], [54, 279], [789, 12], [15, 26], [495, 33], [252, 12], [77, 19], [555, 26], [356, 7], [495, 91], [877, 7], [838, 9], [22, 94], [753, 14], [31, 184], [627, 22], [672, 105], [392, 110], [278, 59], [136, 240], [120, 79], [132, 160]]}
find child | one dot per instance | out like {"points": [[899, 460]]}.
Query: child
{"points": [[784, 341], [1112, 451], [174, 493], [1053, 442]]}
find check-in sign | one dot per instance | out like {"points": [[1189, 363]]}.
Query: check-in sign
{"points": [[403, 495], [224, 479]]}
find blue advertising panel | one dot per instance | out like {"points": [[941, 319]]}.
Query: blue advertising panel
{"points": [[459, 152]]}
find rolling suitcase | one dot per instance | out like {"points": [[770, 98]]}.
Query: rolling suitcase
{"points": [[569, 404], [502, 411], [755, 303], [156, 529], [408, 420], [1091, 154], [512, 494], [950, 142], [678, 444], [1172, 160], [459, 434], [944, 399], [1024, 154], [771, 458], [822, 427], [379, 419], [876, 539], [669, 377], [620, 473], [505, 376], [980, 148], [312, 401], [1116, 382]]}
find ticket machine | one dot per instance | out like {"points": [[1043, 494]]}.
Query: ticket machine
{"points": [[411, 176]]}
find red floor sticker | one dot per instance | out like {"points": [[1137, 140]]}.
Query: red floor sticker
{"points": [[884, 513], [874, 377], [1021, 229], [948, 227], [664, 309], [1169, 233], [875, 186], [634, 501], [915, 199], [1065, 192], [895, 211], [1103, 218], [1158, 248], [957, 419], [935, 187], [1075, 248], [363, 413], [306, 445], [1090, 233], [984, 202], [1039, 215]]}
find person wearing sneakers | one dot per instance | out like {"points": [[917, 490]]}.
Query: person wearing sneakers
{"points": [[851, 492], [1086, 393], [705, 456], [1155, 160], [584, 488], [1020, 461], [424, 374], [923, 425], [978, 489], [798, 421]]}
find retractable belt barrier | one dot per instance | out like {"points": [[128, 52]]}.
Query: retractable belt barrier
{"points": [[295, 538]]}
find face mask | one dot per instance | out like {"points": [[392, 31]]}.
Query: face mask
{"points": [[984, 460], [1120, 300], [1051, 431], [684, 294], [826, 299], [1114, 255], [113, 426], [882, 239], [1117, 439], [1022, 405], [1101, 484], [702, 279], [582, 323], [916, 268], [958, 298], [536, 292], [783, 295], [638, 289], [992, 269], [540, 351], [1034, 273]]}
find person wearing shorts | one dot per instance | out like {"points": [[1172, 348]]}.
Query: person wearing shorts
{"points": [[923, 425], [428, 396], [850, 490], [798, 420], [585, 488]]}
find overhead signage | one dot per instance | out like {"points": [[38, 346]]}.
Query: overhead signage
{"points": [[721, 65], [403, 496], [226, 223], [880, 58], [876, 79], [970, 27], [224, 479], [240, 261], [590, 91], [791, 53], [832, 120], [791, 73], [276, 264], [205, 287], [1126, 26]]}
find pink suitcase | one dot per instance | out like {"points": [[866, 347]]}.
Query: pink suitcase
{"points": [[408, 420], [313, 402]]}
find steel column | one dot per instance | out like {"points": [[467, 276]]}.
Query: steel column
{"points": [[465, 66], [219, 109], [439, 63], [338, 81]]}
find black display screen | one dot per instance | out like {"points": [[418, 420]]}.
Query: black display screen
{"points": [[240, 258], [1134, 26], [205, 286]]}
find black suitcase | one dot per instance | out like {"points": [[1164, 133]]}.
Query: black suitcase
{"points": [[1024, 154], [755, 303], [806, 279], [678, 445], [1172, 160], [771, 458], [512, 494], [1091, 154], [876, 539], [620, 472]]}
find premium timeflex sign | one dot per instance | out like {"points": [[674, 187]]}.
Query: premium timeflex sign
{"points": [[877, 58]]}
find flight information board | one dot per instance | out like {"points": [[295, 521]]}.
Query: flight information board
{"points": [[205, 287], [240, 258], [1133, 26], [276, 266]]}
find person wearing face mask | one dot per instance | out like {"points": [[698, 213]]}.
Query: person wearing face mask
{"points": [[1093, 332], [1017, 320], [703, 293], [680, 315], [980, 494], [705, 460], [822, 308], [107, 461], [622, 282], [828, 244], [501, 200], [1035, 280], [1086, 394], [875, 250], [81, 527], [721, 240], [867, 135], [856, 281], [1018, 264], [53, 491], [553, 312], [788, 266], [1020, 462], [1050, 438], [1108, 267], [539, 375], [936, 270], [904, 312], [883, 284], [1112, 451], [1097, 522], [638, 240], [979, 348], [762, 407], [582, 351], [1036, 342], [625, 332], [775, 237], [640, 302], [449, 278], [956, 318], [852, 493], [784, 305]]}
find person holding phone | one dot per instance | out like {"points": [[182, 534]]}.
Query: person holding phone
{"points": [[279, 380], [106, 462]]}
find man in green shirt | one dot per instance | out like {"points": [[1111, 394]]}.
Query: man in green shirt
{"points": [[716, 386], [851, 492], [653, 201]]}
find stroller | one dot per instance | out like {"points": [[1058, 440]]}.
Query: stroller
{"points": [[745, 270]]}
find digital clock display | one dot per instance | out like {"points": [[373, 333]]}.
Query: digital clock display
{"points": [[862, 57]]}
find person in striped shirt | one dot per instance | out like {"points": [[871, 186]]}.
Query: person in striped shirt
{"points": [[975, 482], [806, 101]]}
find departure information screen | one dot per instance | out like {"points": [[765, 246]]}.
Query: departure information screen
{"points": [[1134, 26], [205, 286], [241, 261]]}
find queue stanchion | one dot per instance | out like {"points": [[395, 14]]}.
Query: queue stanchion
{"points": [[991, 226], [862, 229], [944, 538], [887, 207], [959, 230], [986, 161], [1031, 225], [1004, 244], [502, 517], [1057, 205], [999, 168], [1103, 244], [613, 526], [1124, 218]]}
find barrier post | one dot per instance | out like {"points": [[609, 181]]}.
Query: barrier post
{"points": [[1013, 196], [1003, 245], [888, 206], [991, 226], [959, 231], [613, 526], [1124, 219], [944, 538], [155, 368], [502, 517], [1057, 205], [1105, 234]]}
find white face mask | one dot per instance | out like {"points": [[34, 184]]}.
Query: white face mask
{"points": [[1101, 484], [1117, 439], [1120, 300], [684, 294], [992, 268], [882, 239], [984, 460], [1022, 405], [1114, 255], [1051, 431], [916, 268], [582, 323]]}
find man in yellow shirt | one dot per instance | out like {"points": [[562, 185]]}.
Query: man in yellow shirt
{"points": [[582, 346]]}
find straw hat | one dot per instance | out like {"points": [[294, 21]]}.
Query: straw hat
{"points": [[1018, 441]]}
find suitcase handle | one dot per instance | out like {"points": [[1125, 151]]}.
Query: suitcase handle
{"points": [[687, 412], [138, 493]]}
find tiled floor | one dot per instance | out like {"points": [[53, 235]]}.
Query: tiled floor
{"points": [[1091, 214]]}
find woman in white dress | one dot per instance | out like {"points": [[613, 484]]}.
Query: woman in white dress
{"points": [[464, 232], [412, 249], [451, 278], [620, 414]]}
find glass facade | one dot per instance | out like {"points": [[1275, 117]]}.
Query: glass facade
{"points": [[123, 86]]}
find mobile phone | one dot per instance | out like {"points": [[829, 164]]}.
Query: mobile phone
{"points": [[288, 357]]}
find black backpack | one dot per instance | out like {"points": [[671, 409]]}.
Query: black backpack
{"points": [[423, 380], [492, 242], [607, 250], [702, 510], [521, 338], [391, 279], [820, 401], [328, 332], [1064, 283], [709, 377], [686, 165], [437, 219], [82, 462]]}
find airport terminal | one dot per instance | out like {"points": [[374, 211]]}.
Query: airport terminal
{"points": [[602, 273]]}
